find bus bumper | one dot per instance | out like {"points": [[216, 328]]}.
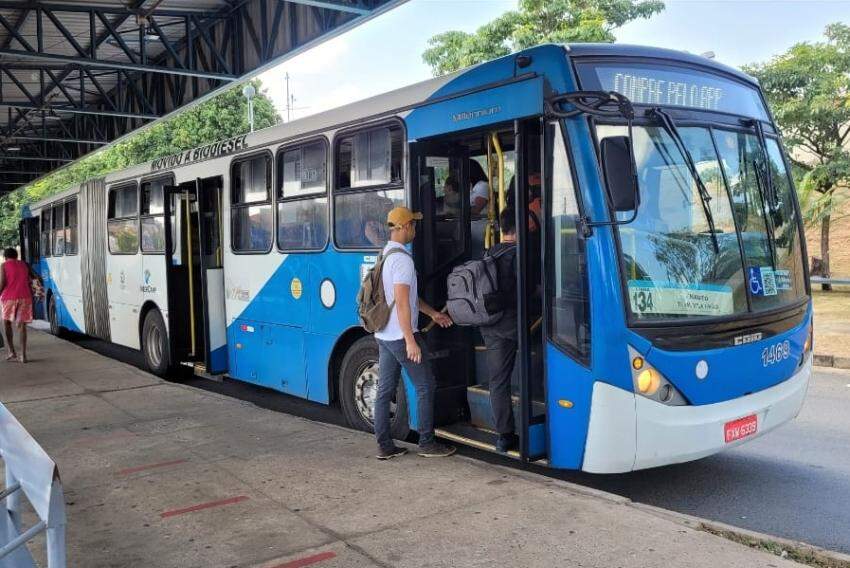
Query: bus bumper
{"points": [[629, 432]]}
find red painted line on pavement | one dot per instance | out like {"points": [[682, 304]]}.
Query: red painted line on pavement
{"points": [[211, 504], [307, 561], [130, 470]]}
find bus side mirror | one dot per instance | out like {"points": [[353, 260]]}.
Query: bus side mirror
{"points": [[618, 169]]}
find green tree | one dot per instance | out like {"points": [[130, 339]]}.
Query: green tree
{"points": [[221, 117], [535, 22], [808, 88]]}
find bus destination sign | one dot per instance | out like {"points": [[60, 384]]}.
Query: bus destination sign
{"points": [[214, 150], [674, 86], [645, 89]]}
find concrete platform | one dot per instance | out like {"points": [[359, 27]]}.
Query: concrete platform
{"points": [[158, 474]]}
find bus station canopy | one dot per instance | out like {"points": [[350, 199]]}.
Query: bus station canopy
{"points": [[78, 74]]}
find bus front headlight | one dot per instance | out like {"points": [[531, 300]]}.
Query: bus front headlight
{"points": [[649, 382]]}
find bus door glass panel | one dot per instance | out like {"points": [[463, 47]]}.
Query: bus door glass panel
{"points": [[568, 296], [212, 273], [181, 259], [443, 205], [439, 176]]}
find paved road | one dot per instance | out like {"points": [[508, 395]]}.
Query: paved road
{"points": [[793, 482]]}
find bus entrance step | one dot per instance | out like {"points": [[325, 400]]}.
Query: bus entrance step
{"points": [[201, 371], [481, 413], [469, 435]]}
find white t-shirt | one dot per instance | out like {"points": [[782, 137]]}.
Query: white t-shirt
{"points": [[398, 269], [480, 189]]}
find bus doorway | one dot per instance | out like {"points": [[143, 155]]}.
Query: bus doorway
{"points": [[30, 253], [464, 181], [195, 274]]}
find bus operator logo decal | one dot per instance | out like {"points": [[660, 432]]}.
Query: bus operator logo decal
{"points": [[146, 288]]}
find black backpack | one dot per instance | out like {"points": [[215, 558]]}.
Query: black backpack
{"points": [[469, 285]]}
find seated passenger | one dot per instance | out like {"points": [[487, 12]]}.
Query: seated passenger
{"points": [[501, 337], [451, 198], [479, 192]]}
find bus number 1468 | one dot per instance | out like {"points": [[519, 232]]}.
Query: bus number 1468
{"points": [[775, 353]]}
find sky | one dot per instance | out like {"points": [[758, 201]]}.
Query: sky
{"points": [[385, 53]]}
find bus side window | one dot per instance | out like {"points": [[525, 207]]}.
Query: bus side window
{"points": [[46, 231], [152, 216], [568, 294], [58, 229], [122, 220], [302, 197], [369, 183], [71, 226], [250, 205]]}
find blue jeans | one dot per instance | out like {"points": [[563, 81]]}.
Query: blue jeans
{"points": [[392, 356]]}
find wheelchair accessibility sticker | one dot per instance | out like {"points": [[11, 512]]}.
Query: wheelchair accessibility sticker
{"points": [[762, 281]]}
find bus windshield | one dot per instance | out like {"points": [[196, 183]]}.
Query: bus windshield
{"points": [[684, 257]]}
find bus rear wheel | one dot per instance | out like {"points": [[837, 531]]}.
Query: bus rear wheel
{"points": [[155, 344], [53, 318], [358, 388]]}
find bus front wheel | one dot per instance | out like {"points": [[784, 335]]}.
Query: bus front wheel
{"points": [[358, 387], [155, 344]]}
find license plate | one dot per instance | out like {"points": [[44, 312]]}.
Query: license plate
{"points": [[741, 428]]}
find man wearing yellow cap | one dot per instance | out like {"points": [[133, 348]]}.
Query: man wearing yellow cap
{"points": [[400, 345]]}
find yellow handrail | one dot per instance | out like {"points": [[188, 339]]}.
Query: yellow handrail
{"points": [[491, 213], [501, 155]]}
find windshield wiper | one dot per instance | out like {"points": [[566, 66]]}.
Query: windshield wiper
{"points": [[705, 197], [769, 190], [768, 221], [770, 197]]}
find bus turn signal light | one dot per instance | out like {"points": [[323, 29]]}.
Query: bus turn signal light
{"points": [[637, 363], [648, 381]]}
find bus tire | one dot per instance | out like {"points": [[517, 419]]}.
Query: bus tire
{"points": [[358, 385], [155, 346], [53, 318]]}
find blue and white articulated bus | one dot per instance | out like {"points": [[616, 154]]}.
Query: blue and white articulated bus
{"points": [[663, 297]]}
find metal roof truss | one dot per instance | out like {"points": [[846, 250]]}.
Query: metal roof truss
{"points": [[77, 74]]}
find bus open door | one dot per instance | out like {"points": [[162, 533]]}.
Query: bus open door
{"points": [[195, 275], [453, 232]]}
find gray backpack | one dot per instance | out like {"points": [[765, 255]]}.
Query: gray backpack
{"points": [[371, 301], [468, 285]]}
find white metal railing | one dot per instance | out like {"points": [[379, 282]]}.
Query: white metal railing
{"points": [[31, 472], [822, 280]]}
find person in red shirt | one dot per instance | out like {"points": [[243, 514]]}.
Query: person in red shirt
{"points": [[16, 300]]}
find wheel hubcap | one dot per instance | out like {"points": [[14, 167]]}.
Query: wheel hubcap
{"points": [[366, 392], [154, 346]]}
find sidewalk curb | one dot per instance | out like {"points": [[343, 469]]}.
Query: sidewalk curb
{"points": [[835, 361], [817, 556]]}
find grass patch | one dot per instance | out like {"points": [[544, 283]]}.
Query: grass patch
{"points": [[807, 555]]}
